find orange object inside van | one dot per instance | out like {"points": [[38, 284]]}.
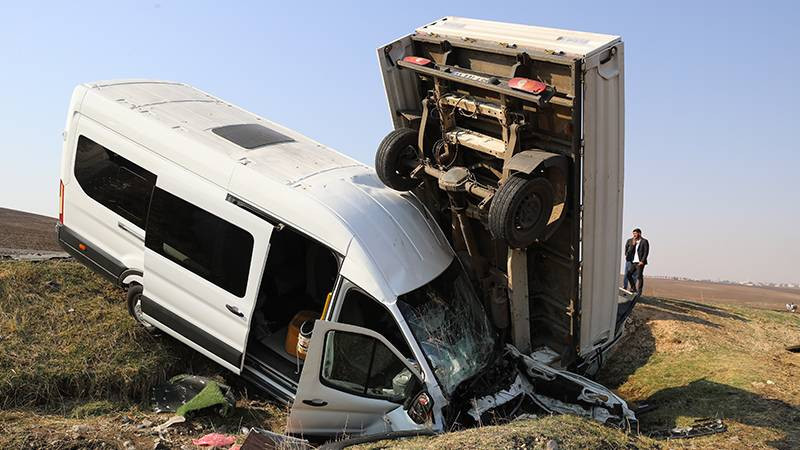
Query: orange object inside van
{"points": [[294, 331]]}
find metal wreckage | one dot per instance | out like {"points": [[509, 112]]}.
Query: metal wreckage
{"points": [[512, 136], [472, 280]]}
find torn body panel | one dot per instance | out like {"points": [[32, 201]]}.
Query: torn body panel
{"points": [[555, 391]]}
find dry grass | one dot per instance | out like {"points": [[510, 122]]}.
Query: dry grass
{"points": [[66, 333], [692, 360], [566, 431], [70, 356]]}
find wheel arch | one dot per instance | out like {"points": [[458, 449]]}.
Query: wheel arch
{"points": [[131, 276]]}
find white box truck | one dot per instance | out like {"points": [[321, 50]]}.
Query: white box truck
{"points": [[513, 137]]}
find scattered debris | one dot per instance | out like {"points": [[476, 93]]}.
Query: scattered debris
{"points": [[172, 420], [344, 443], [186, 393], [643, 408], [53, 285], [551, 445], [700, 427], [794, 348], [259, 438], [214, 440]]}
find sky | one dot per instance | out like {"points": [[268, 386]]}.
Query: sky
{"points": [[711, 92]]}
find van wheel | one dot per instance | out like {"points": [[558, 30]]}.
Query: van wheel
{"points": [[135, 306], [396, 157], [520, 210]]}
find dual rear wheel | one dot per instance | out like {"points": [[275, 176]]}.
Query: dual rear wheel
{"points": [[519, 211]]}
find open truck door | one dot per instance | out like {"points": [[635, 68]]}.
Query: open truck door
{"points": [[355, 382], [204, 259]]}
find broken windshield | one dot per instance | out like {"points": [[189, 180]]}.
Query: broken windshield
{"points": [[450, 325]]}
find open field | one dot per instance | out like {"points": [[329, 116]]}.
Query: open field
{"points": [[75, 370], [22, 231], [756, 296]]}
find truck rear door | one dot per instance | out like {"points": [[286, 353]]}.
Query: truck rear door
{"points": [[204, 259]]}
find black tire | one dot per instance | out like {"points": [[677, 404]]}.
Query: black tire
{"points": [[396, 150], [520, 210], [135, 307]]}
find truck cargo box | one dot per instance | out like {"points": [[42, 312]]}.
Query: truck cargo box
{"points": [[496, 108]]}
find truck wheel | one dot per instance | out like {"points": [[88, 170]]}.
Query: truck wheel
{"points": [[394, 159], [520, 210], [135, 306]]}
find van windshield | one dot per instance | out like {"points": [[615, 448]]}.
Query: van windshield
{"points": [[450, 325]]}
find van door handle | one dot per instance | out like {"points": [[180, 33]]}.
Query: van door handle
{"points": [[235, 310], [315, 402], [135, 234]]}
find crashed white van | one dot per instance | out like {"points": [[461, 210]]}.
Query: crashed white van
{"points": [[234, 235]]}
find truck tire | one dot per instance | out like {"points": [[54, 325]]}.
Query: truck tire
{"points": [[135, 306], [396, 150], [520, 210]]}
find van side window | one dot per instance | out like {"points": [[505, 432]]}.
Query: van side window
{"points": [[201, 242], [113, 181], [361, 310]]}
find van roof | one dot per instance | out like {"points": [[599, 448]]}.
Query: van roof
{"points": [[196, 114], [311, 187]]}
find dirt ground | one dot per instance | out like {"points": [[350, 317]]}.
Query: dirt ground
{"points": [[22, 232], [755, 296]]}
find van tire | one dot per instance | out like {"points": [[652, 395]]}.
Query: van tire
{"points": [[395, 151], [520, 210], [135, 306]]}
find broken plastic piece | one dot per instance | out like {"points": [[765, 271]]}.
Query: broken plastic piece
{"points": [[172, 421], [185, 393], [700, 427], [259, 438], [214, 440]]}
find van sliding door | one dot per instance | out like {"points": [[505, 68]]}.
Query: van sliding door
{"points": [[204, 258]]}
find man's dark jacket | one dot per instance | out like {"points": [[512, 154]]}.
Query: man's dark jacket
{"points": [[644, 249]]}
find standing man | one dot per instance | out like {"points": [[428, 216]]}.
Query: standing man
{"points": [[636, 250]]}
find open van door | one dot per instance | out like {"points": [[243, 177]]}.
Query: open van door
{"points": [[204, 259], [355, 382]]}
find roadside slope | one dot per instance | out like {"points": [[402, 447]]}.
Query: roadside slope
{"points": [[71, 357]]}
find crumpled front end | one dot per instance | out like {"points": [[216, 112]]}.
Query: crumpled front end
{"points": [[537, 388]]}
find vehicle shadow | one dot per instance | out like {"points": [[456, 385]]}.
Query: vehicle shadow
{"points": [[633, 352], [639, 344], [707, 399]]}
